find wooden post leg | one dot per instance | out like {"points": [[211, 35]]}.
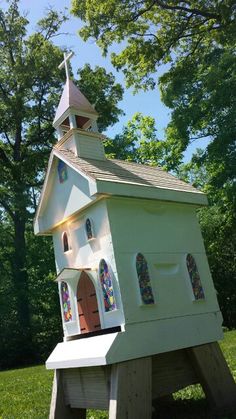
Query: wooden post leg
{"points": [[131, 392], [58, 409], [215, 376]]}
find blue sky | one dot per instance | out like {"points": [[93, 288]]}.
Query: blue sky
{"points": [[148, 103]]}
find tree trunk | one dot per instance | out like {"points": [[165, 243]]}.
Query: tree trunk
{"points": [[20, 281]]}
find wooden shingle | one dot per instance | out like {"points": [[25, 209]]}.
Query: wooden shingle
{"points": [[114, 170]]}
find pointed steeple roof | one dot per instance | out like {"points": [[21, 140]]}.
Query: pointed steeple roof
{"points": [[73, 98]]}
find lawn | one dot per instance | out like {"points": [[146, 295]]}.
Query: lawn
{"points": [[25, 393]]}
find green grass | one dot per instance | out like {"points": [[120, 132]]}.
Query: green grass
{"points": [[25, 393]]}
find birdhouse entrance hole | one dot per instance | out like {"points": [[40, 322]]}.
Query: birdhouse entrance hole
{"points": [[87, 305]]}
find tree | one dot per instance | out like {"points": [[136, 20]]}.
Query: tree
{"points": [[200, 92], [197, 41], [155, 31], [30, 88], [101, 90], [138, 142], [218, 224]]}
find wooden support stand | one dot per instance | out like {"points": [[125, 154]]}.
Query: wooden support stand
{"points": [[131, 389], [215, 377], [128, 389], [58, 408]]}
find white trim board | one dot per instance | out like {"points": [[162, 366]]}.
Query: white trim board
{"points": [[137, 341]]}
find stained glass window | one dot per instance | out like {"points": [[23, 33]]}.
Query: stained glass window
{"points": [[107, 287], [66, 306], [89, 229], [144, 280], [65, 242], [194, 278], [62, 171]]}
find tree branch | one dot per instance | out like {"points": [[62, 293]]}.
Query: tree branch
{"points": [[195, 47], [8, 140], [5, 159], [7, 209], [142, 12], [194, 11], [3, 92]]}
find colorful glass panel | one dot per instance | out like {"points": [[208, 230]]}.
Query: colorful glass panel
{"points": [[107, 287], [66, 305], [144, 280], [194, 278], [89, 229], [62, 171], [65, 242]]}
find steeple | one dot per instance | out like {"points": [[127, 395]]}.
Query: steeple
{"points": [[74, 110], [75, 121]]}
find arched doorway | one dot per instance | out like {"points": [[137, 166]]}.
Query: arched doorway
{"points": [[87, 305]]}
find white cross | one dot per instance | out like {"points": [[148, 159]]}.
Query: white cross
{"points": [[65, 63]]}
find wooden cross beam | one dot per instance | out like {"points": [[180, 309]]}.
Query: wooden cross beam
{"points": [[65, 63]]}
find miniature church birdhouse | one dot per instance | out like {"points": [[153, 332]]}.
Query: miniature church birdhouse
{"points": [[133, 276], [138, 305]]}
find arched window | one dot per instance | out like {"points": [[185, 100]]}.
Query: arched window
{"points": [[107, 287], [65, 241], [62, 171], [66, 306], [194, 278], [89, 229], [144, 280]]}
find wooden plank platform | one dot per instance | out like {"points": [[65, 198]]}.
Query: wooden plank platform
{"points": [[128, 389]]}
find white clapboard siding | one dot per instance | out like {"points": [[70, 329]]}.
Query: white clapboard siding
{"points": [[89, 147], [87, 387]]}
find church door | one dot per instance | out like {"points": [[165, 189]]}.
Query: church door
{"points": [[87, 305]]}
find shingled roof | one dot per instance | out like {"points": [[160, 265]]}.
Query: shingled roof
{"points": [[113, 170]]}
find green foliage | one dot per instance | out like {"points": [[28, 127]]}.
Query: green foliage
{"points": [[218, 225], [200, 92], [30, 88], [155, 32], [101, 90], [45, 320], [197, 41], [219, 231], [26, 393], [45, 311], [138, 142]]}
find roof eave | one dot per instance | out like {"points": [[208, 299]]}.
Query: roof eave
{"points": [[40, 230], [150, 192]]}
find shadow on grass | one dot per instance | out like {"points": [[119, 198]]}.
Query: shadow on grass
{"points": [[188, 409]]}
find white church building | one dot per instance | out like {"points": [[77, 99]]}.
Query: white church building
{"points": [[132, 271]]}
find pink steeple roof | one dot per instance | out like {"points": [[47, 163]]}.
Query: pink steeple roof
{"points": [[73, 98]]}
